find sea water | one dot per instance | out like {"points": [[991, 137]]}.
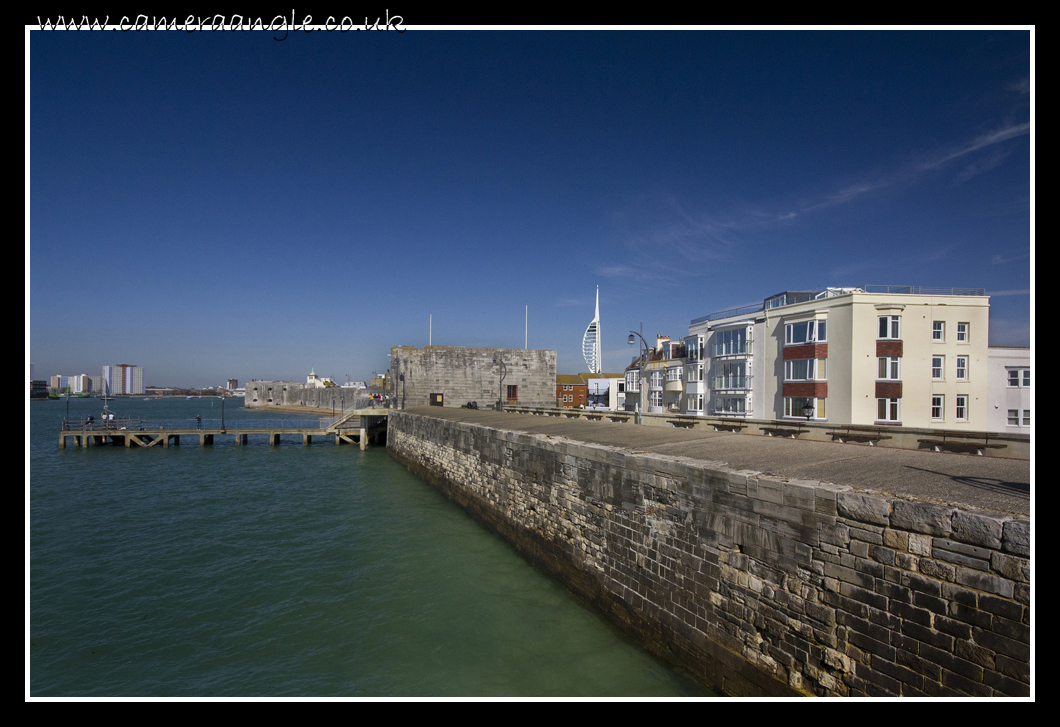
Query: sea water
{"points": [[287, 570]]}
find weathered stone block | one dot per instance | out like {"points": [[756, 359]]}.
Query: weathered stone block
{"points": [[922, 517], [979, 528], [1017, 537], [864, 508]]}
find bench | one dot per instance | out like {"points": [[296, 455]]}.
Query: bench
{"points": [[870, 435], [783, 431], [950, 442], [681, 423], [727, 427]]}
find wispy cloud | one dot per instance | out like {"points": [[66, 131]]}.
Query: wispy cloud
{"points": [[984, 140], [998, 260]]}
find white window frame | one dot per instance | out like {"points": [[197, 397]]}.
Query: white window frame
{"points": [[938, 331], [655, 379], [892, 410], [962, 407], [816, 332], [1018, 378], [1015, 420], [673, 373], [695, 373], [695, 402], [963, 330], [633, 381], [938, 367], [724, 405], [892, 329], [892, 368], [791, 411], [655, 399], [816, 369], [938, 407], [962, 368]]}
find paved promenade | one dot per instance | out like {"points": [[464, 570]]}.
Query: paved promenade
{"points": [[968, 481]]}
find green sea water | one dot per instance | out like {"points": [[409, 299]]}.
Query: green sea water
{"points": [[288, 571]]}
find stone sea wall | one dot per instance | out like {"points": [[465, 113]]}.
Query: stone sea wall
{"points": [[756, 584]]}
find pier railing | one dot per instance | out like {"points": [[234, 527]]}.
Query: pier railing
{"points": [[154, 425]]}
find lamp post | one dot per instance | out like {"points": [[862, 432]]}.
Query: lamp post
{"points": [[643, 357], [500, 385]]}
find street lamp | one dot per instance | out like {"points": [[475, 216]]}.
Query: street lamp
{"points": [[807, 409], [500, 385], [643, 357]]}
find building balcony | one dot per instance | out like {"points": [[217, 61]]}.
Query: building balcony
{"points": [[739, 348], [730, 383]]}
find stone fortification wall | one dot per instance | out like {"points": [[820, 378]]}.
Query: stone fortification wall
{"points": [[289, 393], [463, 374], [758, 585]]}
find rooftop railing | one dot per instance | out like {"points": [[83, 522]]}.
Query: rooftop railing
{"points": [[890, 289]]}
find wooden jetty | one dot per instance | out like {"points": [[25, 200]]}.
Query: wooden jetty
{"points": [[359, 426]]}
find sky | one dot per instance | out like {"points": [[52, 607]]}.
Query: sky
{"points": [[217, 205]]}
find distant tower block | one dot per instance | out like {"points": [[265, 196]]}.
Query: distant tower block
{"points": [[591, 341]]}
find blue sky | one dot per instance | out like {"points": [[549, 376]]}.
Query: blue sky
{"points": [[221, 205]]}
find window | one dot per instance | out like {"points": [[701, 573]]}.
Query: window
{"points": [[962, 368], [655, 399], [730, 405], [673, 373], [1014, 418], [806, 332], [938, 407], [887, 410], [731, 376], [938, 366], [889, 368], [805, 369], [731, 343], [694, 345], [1019, 377], [796, 406], [695, 402], [962, 333], [695, 373], [655, 379], [962, 407], [938, 330], [633, 381], [890, 327]]}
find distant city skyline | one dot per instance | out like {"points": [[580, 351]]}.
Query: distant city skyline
{"points": [[221, 205]]}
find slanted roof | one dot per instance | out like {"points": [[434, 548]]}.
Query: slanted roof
{"points": [[575, 379]]}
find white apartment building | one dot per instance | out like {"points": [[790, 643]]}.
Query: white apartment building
{"points": [[123, 379], [909, 356], [1009, 389], [655, 381]]}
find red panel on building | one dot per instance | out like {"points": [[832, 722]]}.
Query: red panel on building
{"points": [[888, 348], [809, 350], [817, 389], [889, 389]]}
